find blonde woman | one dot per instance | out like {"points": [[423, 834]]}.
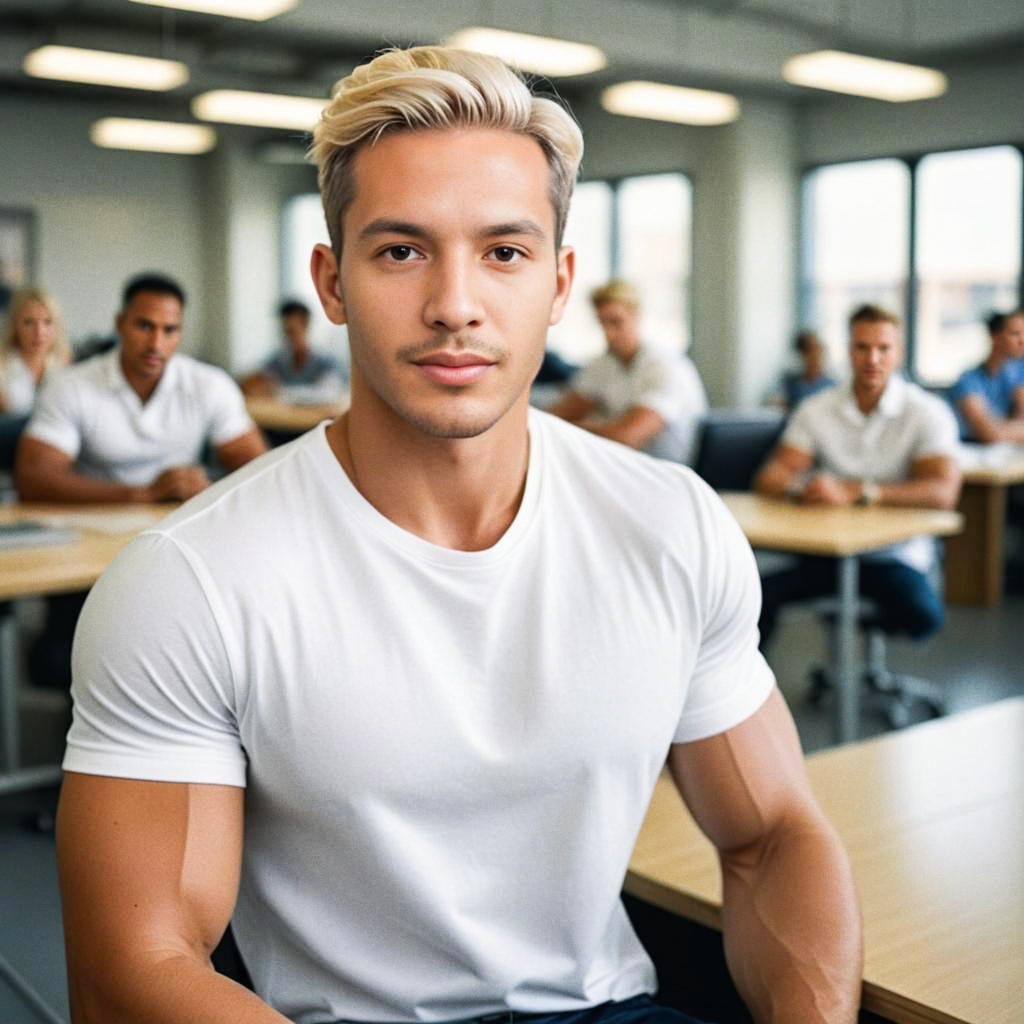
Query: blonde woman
{"points": [[33, 344]]}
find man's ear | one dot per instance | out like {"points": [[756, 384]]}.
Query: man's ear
{"points": [[324, 268], [565, 271]]}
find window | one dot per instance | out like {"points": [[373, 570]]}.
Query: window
{"points": [[856, 246], [968, 251], [303, 227]]}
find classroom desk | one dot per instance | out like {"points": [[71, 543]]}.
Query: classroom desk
{"points": [[933, 820], [38, 571], [975, 559], [843, 534], [288, 417]]}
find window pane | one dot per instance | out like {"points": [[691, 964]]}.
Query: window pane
{"points": [[578, 337], [655, 216], [856, 225], [968, 255]]}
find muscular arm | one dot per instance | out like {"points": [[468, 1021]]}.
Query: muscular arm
{"points": [[989, 428], [148, 876], [573, 406], [781, 470], [45, 473], [635, 427], [242, 449], [790, 916], [934, 483]]}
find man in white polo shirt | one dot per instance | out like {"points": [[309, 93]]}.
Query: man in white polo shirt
{"points": [[128, 425], [634, 393], [880, 440]]}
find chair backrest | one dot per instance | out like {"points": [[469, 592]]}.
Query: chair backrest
{"points": [[10, 430], [732, 446]]}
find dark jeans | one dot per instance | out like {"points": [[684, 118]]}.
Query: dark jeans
{"points": [[906, 601]]}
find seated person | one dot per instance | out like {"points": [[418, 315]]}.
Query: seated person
{"points": [[811, 378], [298, 368], [33, 345], [989, 400], [635, 394], [128, 426], [879, 440]]}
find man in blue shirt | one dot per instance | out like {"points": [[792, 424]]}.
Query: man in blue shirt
{"points": [[989, 400]]}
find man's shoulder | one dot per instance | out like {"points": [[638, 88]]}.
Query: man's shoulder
{"points": [[189, 368], [921, 402]]}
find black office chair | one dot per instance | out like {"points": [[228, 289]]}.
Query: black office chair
{"points": [[227, 960], [732, 446], [11, 428]]}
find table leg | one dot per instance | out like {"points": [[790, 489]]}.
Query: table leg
{"points": [[846, 668], [9, 753]]}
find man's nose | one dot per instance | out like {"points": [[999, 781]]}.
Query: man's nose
{"points": [[454, 301]]}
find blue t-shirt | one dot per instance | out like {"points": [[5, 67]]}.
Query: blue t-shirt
{"points": [[317, 366], [996, 390], [796, 387]]}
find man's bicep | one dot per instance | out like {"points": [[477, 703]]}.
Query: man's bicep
{"points": [[147, 869], [740, 784]]}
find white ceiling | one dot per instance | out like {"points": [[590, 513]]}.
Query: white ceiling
{"points": [[732, 44]]}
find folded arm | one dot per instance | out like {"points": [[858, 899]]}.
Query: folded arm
{"points": [[790, 915], [149, 873], [989, 428]]}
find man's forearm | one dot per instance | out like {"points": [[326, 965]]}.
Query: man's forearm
{"points": [[927, 492], [792, 929], [175, 990], [75, 488]]}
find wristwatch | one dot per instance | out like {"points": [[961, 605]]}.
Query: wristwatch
{"points": [[870, 492]]}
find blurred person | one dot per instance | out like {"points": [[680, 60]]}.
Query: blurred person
{"points": [[989, 399], [812, 377], [32, 347], [298, 368], [634, 393], [879, 440]]}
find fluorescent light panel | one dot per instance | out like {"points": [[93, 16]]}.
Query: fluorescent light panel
{"points": [[660, 102], [541, 55], [864, 76], [100, 67], [252, 10], [152, 136], [261, 109]]}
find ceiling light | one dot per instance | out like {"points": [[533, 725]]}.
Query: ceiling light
{"points": [[152, 136], [539, 54], [253, 10], [262, 109], [99, 67], [864, 76], [670, 103]]}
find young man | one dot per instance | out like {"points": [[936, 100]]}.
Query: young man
{"points": [[633, 393], [408, 748], [131, 425], [989, 400], [297, 368], [879, 440]]}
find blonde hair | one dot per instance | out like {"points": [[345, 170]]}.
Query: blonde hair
{"points": [[437, 87], [60, 352], [616, 290]]}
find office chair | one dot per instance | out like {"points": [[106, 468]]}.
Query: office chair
{"points": [[732, 446], [892, 694], [227, 960], [11, 428]]}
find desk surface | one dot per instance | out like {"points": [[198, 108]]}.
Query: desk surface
{"points": [[997, 476], [274, 414], [103, 530], [817, 530], [933, 819]]}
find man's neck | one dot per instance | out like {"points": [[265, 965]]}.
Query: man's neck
{"points": [[994, 363], [461, 494], [867, 399], [142, 386]]}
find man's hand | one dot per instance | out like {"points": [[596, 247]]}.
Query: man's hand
{"points": [[178, 483], [825, 489]]}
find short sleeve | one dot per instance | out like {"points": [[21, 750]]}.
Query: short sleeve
{"points": [[56, 419], [799, 432], [939, 433], [225, 407], [730, 680], [969, 383], [153, 689], [665, 388]]}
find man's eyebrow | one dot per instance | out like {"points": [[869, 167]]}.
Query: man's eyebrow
{"points": [[514, 227], [384, 226]]}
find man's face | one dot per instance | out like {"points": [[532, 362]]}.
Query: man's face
{"points": [[150, 329], [875, 351], [1010, 340], [619, 322], [449, 277], [295, 327]]}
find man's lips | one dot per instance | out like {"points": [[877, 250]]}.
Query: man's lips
{"points": [[453, 368]]}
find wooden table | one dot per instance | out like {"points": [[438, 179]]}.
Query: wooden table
{"points": [[102, 530], [933, 820], [975, 559], [843, 534], [274, 414]]}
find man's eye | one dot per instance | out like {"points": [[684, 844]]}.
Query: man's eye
{"points": [[506, 254], [400, 253]]}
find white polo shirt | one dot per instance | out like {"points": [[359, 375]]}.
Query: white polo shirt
{"points": [[665, 382], [906, 425], [17, 385], [91, 413]]}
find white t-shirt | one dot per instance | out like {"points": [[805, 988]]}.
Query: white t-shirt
{"points": [[91, 413], [17, 385], [663, 381], [906, 425], [448, 755]]}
